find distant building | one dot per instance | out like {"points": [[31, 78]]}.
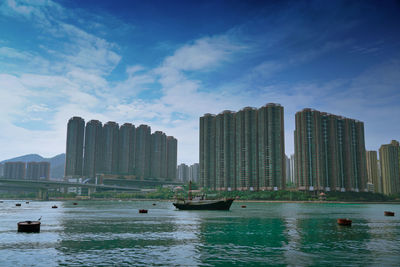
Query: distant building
{"points": [[14, 170], [127, 137], [1, 169], [288, 172], [389, 156], [113, 151], [38, 171], [329, 152], [243, 150], [172, 148], [194, 171], [372, 171], [292, 169], [92, 160], [183, 172], [110, 147], [74, 147], [158, 168], [142, 155]]}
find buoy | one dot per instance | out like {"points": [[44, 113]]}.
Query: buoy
{"points": [[244, 206], [389, 213], [54, 207], [154, 204], [18, 204], [75, 203], [344, 222], [143, 211], [27, 202], [29, 227]]}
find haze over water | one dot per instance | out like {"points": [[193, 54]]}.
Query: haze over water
{"points": [[112, 233]]}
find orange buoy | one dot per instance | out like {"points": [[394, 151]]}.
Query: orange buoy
{"points": [[344, 222]]}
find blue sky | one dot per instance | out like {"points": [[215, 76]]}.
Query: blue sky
{"points": [[166, 63]]}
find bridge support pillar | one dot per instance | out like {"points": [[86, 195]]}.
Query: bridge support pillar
{"points": [[43, 194]]}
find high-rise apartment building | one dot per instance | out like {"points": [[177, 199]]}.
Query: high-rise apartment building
{"points": [[14, 170], [207, 151], [389, 158], [243, 150], [329, 152], [74, 147], [110, 147], [288, 173], [142, 153], [38, 170], [92, 160], [158, 168], [127, 136], [183, 172], [114, 151], [194, 172], [1, 169], [225, 150], [372, 171], [292, 169], [172, 148]]}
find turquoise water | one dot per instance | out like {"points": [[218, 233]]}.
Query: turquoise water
{"points": [[113, 233]]}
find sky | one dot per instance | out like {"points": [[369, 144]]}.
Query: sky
{"points": [[166, 63]]}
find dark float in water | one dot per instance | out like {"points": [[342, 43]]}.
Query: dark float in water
{"points": [[389, 213], [29, 227], [344, 222], [143, 211]]}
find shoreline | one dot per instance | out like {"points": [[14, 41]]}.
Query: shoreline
{"points": [[236, 200]]}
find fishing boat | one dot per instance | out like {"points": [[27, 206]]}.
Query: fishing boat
{"points": [[202, 203]]}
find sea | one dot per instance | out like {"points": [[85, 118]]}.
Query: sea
{"points": [[114, 233]]}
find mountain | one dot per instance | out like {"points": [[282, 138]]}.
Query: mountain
{"points": [[57, 163]]}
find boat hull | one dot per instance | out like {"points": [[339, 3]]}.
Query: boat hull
{"points": [[209, 205]]}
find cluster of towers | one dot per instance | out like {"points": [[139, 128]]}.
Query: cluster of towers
{"points": [[329, 152], [384, 174], [30, 171], [126, 150], [243, 150]]}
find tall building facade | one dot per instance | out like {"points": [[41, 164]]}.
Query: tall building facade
{"points": [[110, 150], [74, 147], [329, 152], [38, 170], [172, 148], [194, 172], [14, 170], [292, 169], [243, 150], [142, 153], [158, 157], [127, 137], [372, 171], [92, 160], [183, 172], [389, 158]]}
